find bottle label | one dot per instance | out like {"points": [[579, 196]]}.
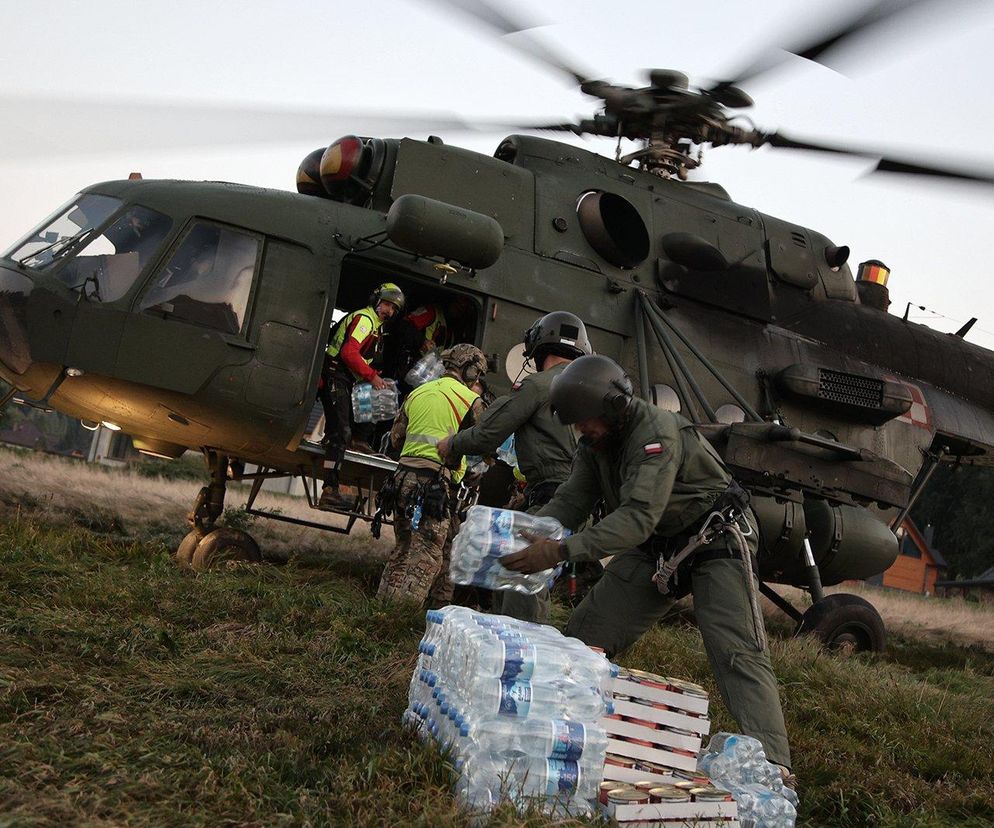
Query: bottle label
{"points": [[567, 740], [519, 661], [562, 777], [515, 698], [500, 523]]}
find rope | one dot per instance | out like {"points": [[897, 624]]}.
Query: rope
{"points": [[716, 525]]}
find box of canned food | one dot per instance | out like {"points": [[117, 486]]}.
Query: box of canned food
{"points": [[670, 805], [657, 725]]}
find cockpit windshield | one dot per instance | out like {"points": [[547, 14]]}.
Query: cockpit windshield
{"points": [[103, 265]]}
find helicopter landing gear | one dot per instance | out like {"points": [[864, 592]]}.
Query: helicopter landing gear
{"points": [[184, 552], [845, 622], [207, 545], [224, 544], [841, 622]]}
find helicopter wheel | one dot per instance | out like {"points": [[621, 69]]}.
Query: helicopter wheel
{"points": [[184, 552], [224, 544], [846, 623]]}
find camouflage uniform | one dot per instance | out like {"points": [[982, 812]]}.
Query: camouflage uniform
{"points": [[659, 479], [419, 564]]}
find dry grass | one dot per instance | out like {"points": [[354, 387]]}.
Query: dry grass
{"points": [[938, 620], [122, 501]]}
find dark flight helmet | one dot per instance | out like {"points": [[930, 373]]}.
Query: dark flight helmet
{"points": [[591, 386], [560, 333]]}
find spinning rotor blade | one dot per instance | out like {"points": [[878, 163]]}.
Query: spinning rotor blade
{"points": [[499, 21], [884, 164], [34, 126], [823, 44]]}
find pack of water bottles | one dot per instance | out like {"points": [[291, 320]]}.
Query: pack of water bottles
{"points": [[517, 706], [374, 405], [426, 369], [738, 764], [486, 536]]}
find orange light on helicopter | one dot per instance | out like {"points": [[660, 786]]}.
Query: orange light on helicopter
{"points": [[873, 271]]}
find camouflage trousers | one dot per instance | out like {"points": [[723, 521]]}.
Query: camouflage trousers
{"points": [[418, 567]]}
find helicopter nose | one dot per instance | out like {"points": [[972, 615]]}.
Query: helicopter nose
{"points": [[15, 351]]}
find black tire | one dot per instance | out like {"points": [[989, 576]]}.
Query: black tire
{"points": [[845, 622], [184, 552], [222, 545]]}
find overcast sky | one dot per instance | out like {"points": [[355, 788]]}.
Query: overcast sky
{"points": [[921, 88]]}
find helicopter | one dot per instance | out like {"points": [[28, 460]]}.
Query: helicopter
{"points": [[194, 315]]}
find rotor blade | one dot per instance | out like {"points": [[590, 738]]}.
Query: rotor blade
{"points": [[884, 163], [524, 42], [62, 127], [816, 47]]}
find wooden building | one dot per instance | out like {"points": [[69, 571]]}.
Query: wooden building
{"points": [[918, 566]]}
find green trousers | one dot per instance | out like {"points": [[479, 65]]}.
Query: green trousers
{"points": [[625, 603], [535, 608]]}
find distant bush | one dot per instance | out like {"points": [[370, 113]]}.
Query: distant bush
{"points": [[188, 467]]}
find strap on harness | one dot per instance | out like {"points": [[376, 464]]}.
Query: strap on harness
{"points": [[728, 520]]}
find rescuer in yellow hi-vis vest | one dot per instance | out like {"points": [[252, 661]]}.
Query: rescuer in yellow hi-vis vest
{"points": [[353, 344], [423, 505]]}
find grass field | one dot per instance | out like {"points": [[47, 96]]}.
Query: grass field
{"points": [[135, 693]]}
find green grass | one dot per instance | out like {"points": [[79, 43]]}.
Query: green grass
{"points": [[134, 693]]}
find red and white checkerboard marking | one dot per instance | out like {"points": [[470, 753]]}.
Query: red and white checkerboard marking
{"points": [[919, 414]]}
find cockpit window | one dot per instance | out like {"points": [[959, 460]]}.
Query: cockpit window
{"points": [[63, 230], [102, 265], [207, 280], [108, 264]]}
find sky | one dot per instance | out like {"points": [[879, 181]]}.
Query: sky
{"points": [[241, 91]]}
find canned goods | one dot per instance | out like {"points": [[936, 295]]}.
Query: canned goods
{"points": [[606, 787], [685, 785], [641, 722], [697, 777], [619, 761], [653, 767], [668, 793], [644, 785], [628, 796], [709, 793]]}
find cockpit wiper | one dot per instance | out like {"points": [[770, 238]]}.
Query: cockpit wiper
{"points": [[67, 244]]}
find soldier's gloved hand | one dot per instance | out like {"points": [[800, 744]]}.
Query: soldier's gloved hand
{"points": [[444, 448], [539, 555]]}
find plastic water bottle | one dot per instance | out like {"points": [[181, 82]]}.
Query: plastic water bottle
{"points": [[373, 405], [486, 536], [518, 699], [738, 764], [558, 782], [426, 369], [571, 741]]}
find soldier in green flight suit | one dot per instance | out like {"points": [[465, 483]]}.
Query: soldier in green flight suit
{"points": [[543, 443], [659, 480]]}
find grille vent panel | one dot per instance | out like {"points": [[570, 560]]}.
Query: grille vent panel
{"points": [[850, 389]]}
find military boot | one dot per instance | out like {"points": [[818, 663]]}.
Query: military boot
{"points": [[334, 501]]}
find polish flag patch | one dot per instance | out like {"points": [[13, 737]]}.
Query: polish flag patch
{"points": [[653, 448], [516, 386]]}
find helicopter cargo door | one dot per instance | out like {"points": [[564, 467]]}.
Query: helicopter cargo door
{"points": [[191, 317], [506, 323]]}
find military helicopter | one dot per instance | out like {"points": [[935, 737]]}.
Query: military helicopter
{"points": [[194, 315]]}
